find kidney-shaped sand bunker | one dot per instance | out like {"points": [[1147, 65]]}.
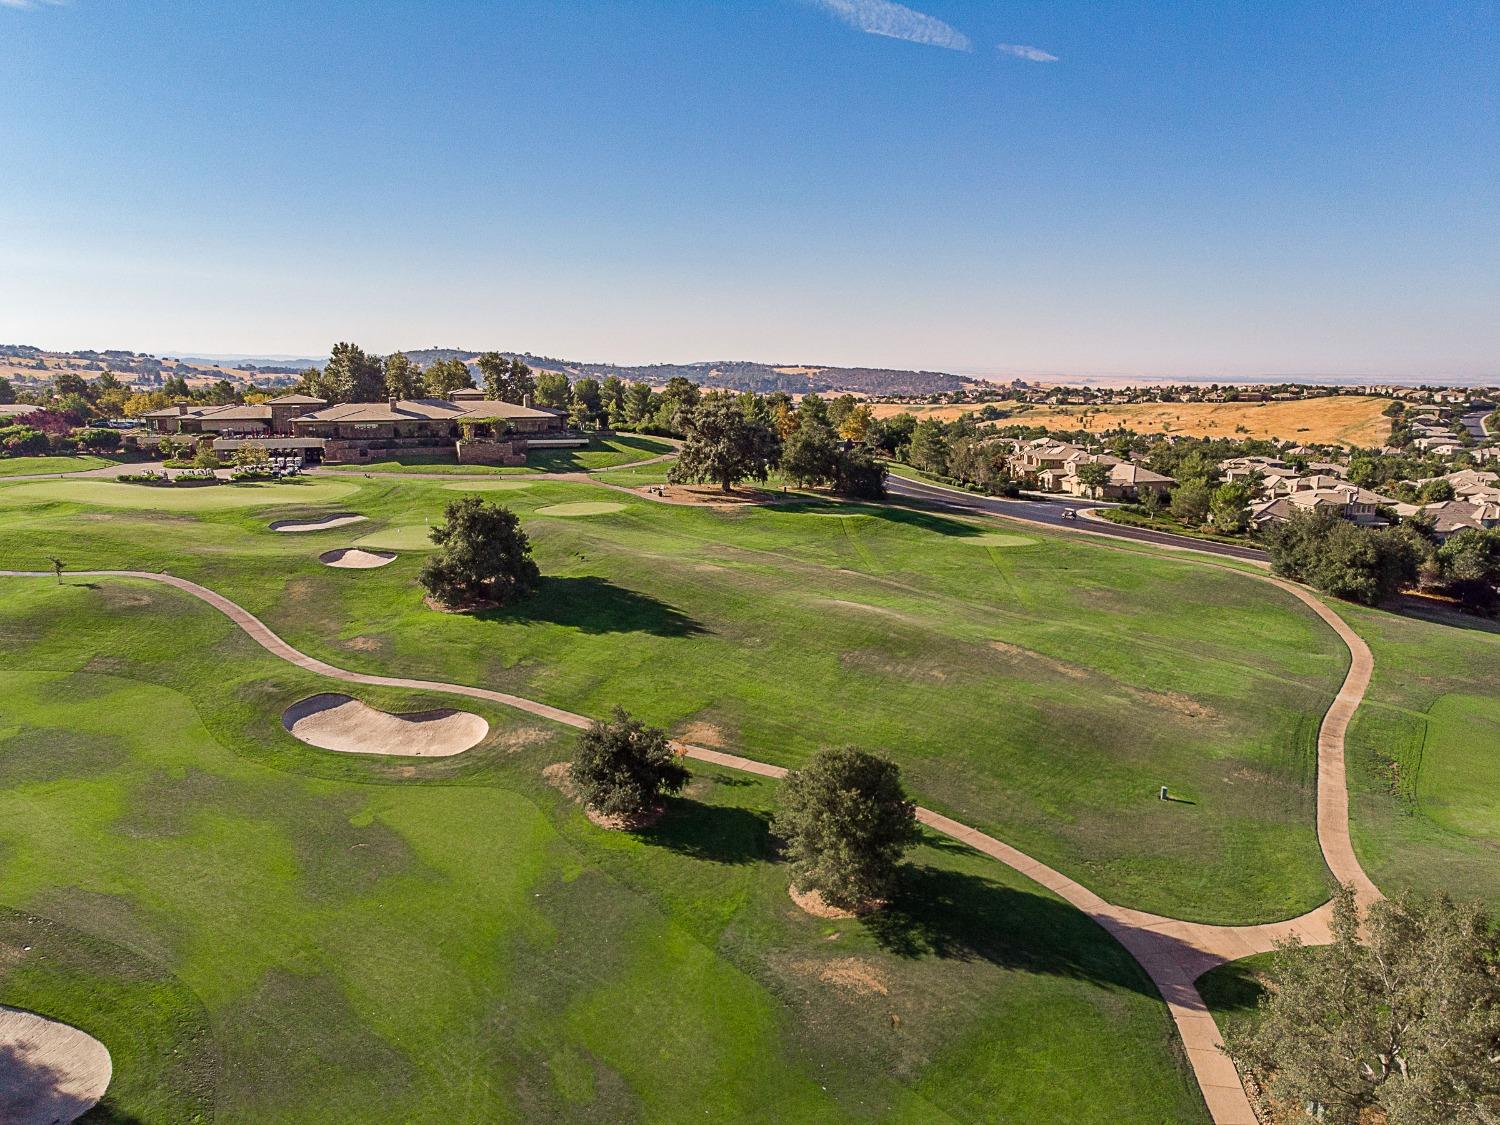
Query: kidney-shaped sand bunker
{"points": [[50, 1073], [356, 558], [331, 721], [343, 519]]}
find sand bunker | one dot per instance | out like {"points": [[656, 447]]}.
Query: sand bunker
{"points": [[317, 525], [336, 722], [354, 558], [581, 508], [50, 1073]]}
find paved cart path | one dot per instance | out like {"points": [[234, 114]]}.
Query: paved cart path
{"points": [[1173, 952]]}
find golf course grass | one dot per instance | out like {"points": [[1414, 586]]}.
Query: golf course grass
{"points": [[58, 463], [261, 931], [1041, 691], [1424, 757], [177, 498], [600, 453]]}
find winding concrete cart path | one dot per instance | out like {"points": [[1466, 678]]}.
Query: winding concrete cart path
{"points": [[1174, 953]]}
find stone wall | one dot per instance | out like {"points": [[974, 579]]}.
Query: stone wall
{"points": [[339, 450], [479, 452]]}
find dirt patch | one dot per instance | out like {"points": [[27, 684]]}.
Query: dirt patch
{"points": [[701, 734], [364, 644], [626, 823], [520, 738], [812, 902], [122, 597], [709, 495], [556, 775], [300, 589], [1062, 667], [1175, 701], [336, 722], [850, 973]]}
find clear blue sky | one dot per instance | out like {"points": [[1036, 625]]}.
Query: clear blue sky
{"points": [[1167, 188]]}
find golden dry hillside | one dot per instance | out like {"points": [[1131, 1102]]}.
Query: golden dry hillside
{"points": [[1340, 419]]}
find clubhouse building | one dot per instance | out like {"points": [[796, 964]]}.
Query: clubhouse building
{"points": [[466, 425]]}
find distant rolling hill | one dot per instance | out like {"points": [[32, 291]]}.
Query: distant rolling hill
{"points": [[736, 375]]}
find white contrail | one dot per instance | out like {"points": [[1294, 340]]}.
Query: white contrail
{"points": [[897, 21], [1021, 51]]}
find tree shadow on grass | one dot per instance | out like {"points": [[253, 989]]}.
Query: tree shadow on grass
{"points": [[893, 512], [1235, 989], [942, 913], [1438, 613], [592, 604], [715, 833]]}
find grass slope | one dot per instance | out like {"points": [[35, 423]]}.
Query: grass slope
{"points": [[1424, 757], [61, 463], [601, 453], [264, 932], [1041, 690]]}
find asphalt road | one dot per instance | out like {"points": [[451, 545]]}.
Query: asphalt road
{"points": [[1474, 423], [1050, 512]]}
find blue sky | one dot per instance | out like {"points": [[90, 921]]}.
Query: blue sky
{"points": [[1002, 188]]}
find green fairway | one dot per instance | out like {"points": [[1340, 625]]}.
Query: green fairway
{"points": [[1042, 691], [600, 453], [264, 932], [1424, 757], [177, 498], [25, 466]]}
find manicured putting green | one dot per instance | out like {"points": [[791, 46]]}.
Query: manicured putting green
{"points": [[488, 485], [581, 508], [200, 498], [404, 537]]}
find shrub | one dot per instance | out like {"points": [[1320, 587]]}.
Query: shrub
{"points": [[98, 439], [23, 441], [622, 768]]}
